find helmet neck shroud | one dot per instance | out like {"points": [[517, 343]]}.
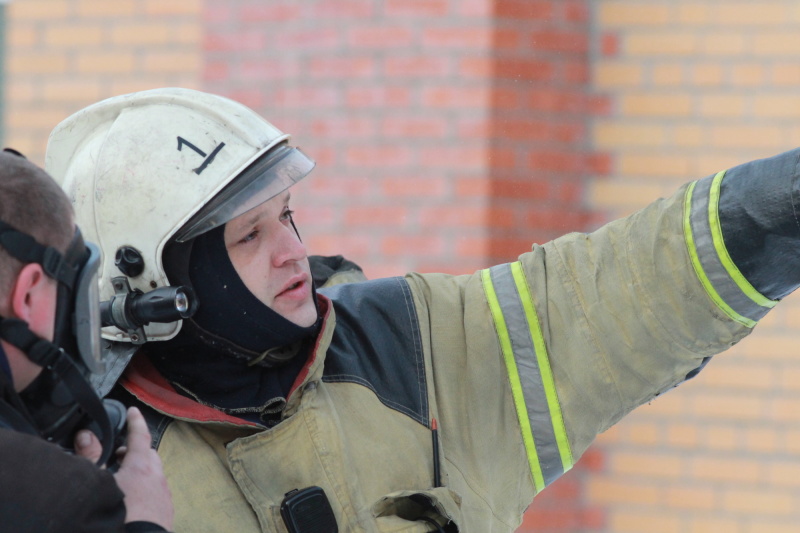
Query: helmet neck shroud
{"points": [[233, 334], [230, 318]]}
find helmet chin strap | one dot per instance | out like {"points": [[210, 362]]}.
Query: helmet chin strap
{"points": [[68, 402]]}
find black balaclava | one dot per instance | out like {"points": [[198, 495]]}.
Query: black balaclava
{"points": [[217, 358]]}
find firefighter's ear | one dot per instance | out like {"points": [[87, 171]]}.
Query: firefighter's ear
{"points": [[32, 298]]}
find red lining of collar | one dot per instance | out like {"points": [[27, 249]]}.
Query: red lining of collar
{"points": [[145, 382]]}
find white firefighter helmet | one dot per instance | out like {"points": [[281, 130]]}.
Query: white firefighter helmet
{"points": [[149, 167]]}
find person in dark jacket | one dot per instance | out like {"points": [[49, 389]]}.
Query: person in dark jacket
{"points": [[49, 343]]}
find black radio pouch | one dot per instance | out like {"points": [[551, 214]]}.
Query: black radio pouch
{"points": [[308, 511]]}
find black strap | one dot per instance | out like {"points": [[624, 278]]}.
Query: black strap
{"points": [[40, 351], [26, 249], [50, 356]]}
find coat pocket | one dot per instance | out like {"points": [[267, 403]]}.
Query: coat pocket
{"points": [[412, 511]]}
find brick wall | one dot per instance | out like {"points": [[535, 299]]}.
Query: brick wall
{"points": [[428, 120], [62, 55], [440, 127], [697, 87]]}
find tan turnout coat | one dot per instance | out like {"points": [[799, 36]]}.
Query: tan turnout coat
{"points": [[522, 365]]}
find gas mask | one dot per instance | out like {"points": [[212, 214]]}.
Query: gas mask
{"points": [[60, 400]]}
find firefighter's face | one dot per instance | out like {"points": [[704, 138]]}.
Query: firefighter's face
{"points": [[271, 261]]}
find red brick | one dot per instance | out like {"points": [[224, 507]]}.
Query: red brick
{"points": [[351, 245], [460, 216], [218, 12], [323, 39], [349, 126], [270, 12], [521, 130], [598, 163], [552, 100], [380, 157], [351, 9], [402, 245], [386, 269], [470, 38], [555, 160], [529, 188], [305, 97], [508, 248], [538, 130], [415, 8], [477, 187], [337, 187], [525, 69], [593, 518], [475, 248], [571, 42], [326, 157], [557, 217], [342, 67], [506, 38], [430, 186], [383, 215], [574, 72], [262, 69], [576, 11], [476, 67], [414, 127], [525, 9], [216, 70], [455, 97], [598, 105], [306, 215], [238, 42], [455, 157], [566, 191], [609, 44], [548, 520], [503, 98], [568, 132], [417, 66], [473, 128], [377, 37], [378, 96], [593, 460]]}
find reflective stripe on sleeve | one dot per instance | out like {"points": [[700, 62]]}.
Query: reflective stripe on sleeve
{"points": [[532, 384], [720, 277]]}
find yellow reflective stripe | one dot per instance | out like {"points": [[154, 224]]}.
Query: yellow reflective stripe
{"points": [[513, 376], [698, 268], [722, 251], [543, 361]]}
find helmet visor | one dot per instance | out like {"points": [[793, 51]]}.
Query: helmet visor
{"points": [[268, 176]]}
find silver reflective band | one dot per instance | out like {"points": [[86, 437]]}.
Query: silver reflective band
{"points": [[532, 383], [87, 311], [722, 280], [270, 175]]}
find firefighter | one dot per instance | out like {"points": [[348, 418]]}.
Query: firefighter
{"points": [[49, 342], [426, 402]]}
